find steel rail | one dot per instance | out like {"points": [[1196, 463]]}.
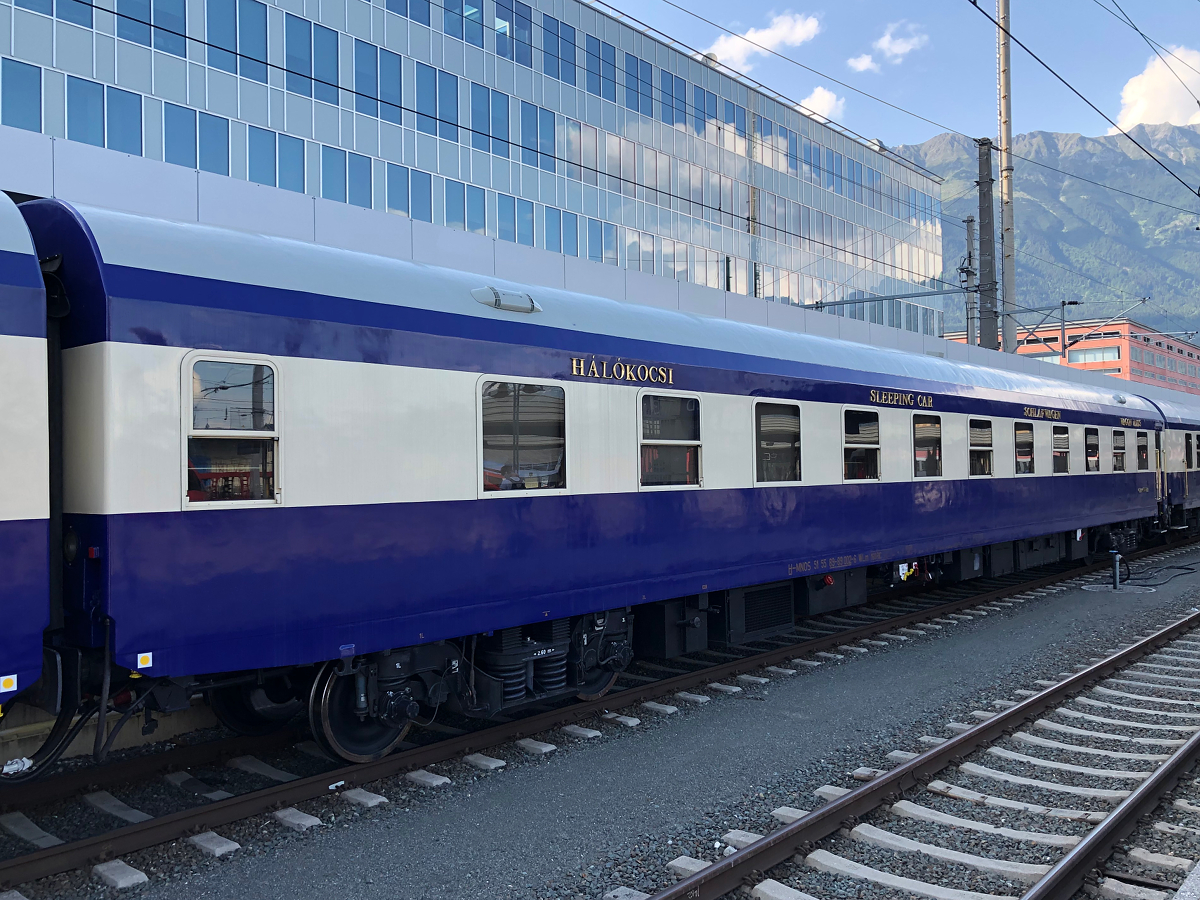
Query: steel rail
{"points": [[1070, 872], [54, 860], [731, 872]]}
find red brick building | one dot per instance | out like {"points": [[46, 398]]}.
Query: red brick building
{"points": [[1122, 348]]}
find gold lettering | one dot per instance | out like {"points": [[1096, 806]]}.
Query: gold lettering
{"points": [[670, 376], [576, 366], [604, 363], [643, 373], [654, 374], [630, 373], [592, 371]]}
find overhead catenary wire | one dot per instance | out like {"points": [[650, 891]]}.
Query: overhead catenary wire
{"points": [[1077, 93]]}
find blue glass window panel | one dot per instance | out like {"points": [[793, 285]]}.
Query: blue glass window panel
{"points": [[360, 180], [124, 121], [85, 111], [42, 6], [506, 216], [667, 84], [222, 34], [426, 99], [525, 222], [179, 135], [550, 46], [592, 61], [214, 144], [389, 87], [608, 71], [297, 38], [570, 234], [479, 117], [698, 110], [523, 22], [476, 209], [680, 103], [399, 7], [632, 92], [447, 105], [504, 29], [828, 169], [261, 153], [552, 230], [366, 78], [170, 26], [473, 22], [21, 95], [291, 163], [325, 64], [133, 21], [452, 19], [397, 189], [456, 202], [418, 11], [739, 120], [333, 174], [500, 124], [566, 53], [529, 125], [252, 40], [74, 11], [595, 240], [646, 83], [610, 244], [422, 196], [546, 150]]}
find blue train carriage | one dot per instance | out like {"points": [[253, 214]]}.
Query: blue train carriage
{"points": [[305, 478], [1179, 450], [24, 459]]}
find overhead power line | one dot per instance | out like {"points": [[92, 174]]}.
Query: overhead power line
{"points": [[1077, 93]]}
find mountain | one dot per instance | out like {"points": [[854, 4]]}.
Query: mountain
{"points": [[1063, 223]]}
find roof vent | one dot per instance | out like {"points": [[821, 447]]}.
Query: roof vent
{"points": [[513, 301], [1121, 398]]}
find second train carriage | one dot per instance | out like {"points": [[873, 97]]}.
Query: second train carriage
{"points": [[24, 464], [301, 476]]}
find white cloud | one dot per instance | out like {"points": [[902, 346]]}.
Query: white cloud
{"points": [[824, 104], [900, 39], [1156, 95], [786, 30], [863, 63]]}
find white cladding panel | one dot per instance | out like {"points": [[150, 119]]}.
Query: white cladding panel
{"points": [[24, 423]]}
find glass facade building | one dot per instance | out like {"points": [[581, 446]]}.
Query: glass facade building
{"points": [[555, 125]]}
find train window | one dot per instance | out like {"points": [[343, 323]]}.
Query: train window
{"points": [[1062, 449], [980, 434], [670, 451], [1091, 446], [777, 432], [927, 446], [1023, 442], [861, 451], [232, 446], [1118, 450], [524, 437], [1143, 451], [1187, 451]]}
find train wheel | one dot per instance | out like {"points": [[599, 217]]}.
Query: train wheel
{"points": [[598, 687], [254, 709], [338, 728]]}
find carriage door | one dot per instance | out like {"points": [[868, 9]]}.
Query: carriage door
{"points": [[1158, 467]]}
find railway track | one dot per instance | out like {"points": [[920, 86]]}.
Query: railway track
{"points": [[202, 807], [1084, 784]]}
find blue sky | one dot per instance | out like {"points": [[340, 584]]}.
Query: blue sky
{"points": [[938, 59]]}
